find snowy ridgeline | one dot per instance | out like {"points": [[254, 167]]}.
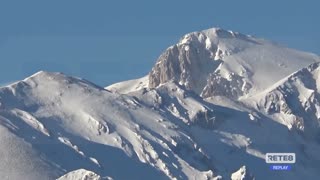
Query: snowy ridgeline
{"points": [[216, 62], [210, 108]]}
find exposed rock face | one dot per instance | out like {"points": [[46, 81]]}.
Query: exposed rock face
{"points": [[217, 62], [188, 63], [233, 87], [173, 97], [194, 62], [296, 101]]}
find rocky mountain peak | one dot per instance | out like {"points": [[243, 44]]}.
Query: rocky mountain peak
{"points": [[209, 62]]}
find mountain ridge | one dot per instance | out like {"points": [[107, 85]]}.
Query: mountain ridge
{"points": [[192, 117], [206, 62]]}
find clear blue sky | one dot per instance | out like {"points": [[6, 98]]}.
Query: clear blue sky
{"points": [[106, 41]]}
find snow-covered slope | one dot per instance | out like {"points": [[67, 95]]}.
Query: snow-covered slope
{"points": [[82, 174], [294, 101], [211, 108], [67, 123], [129, 86], [242, 174], [64, 124], [219, 62]]}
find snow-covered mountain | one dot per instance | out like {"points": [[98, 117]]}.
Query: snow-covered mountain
{"points": [[294, 101], [225, 63], [210, 108], [63, 123]]}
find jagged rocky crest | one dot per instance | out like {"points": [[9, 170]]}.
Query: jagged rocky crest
{"points": [[216, 62], [195, 58], [296, 101]]}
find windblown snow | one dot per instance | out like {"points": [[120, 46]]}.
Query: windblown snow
{"points": [[212, 106]]}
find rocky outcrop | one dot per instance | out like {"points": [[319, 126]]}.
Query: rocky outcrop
{"points": [[242, 174], [189, 63], [194, 63], [296, 101]]}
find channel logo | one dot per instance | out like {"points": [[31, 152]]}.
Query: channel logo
{"points": [[280, 158], [280, 161]]}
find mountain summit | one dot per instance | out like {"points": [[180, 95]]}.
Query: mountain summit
{"points": [[212, 106], [216, 62]]}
